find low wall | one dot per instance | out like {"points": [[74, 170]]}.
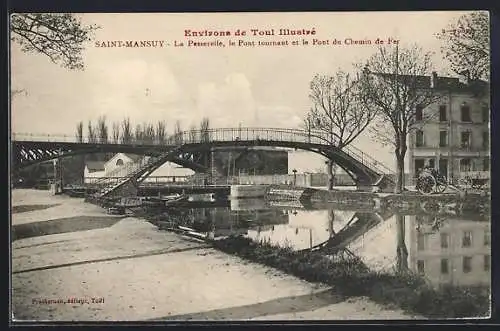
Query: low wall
{"points": [[303, 180], [436, 203], [248, 204], [247, 191], [284, 193], [365, 199]]}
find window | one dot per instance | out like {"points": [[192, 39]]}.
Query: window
{"points": [[467, 239], [443, 166], [486, 139], [419, 138], [443, 138], [467, 264], [486, 114], [465, 112], [442, 113], [444, 266], [487, 238], [486, 263], [486, 164], [419, 113], [465, 165], [420, 242], [420, 267], [431, 163], [419, 164], [445, 240], [465, 139], [119, 162]]}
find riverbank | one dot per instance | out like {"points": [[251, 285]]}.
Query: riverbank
{"points": [[409, 201], [67, 252], [351, 278]]}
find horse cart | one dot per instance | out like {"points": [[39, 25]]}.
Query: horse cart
{"points": [[430, 181], [475, 180]]}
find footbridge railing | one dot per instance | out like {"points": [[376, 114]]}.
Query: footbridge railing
{"points": [[208, 136]]}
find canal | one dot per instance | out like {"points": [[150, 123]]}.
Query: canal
{"points": [[444, 249]]}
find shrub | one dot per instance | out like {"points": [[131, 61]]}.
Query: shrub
{"points": [[352, 278]]}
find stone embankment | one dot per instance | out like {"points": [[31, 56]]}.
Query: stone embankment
{"points": [[406, 202]]}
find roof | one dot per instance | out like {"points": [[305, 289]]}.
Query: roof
{"points": [[95, 165], [442, 83], [133, 157]]}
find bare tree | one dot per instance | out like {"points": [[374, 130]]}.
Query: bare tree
{"points": [[178, 133], [148, 133], [116, 132], [205, 130], [92, 135], [339, 113], [102, 130], [192, 133], [395, 84], [161, 132], [138, 133], [466, 44], [79, 132], [60, 37], [127, 135]]}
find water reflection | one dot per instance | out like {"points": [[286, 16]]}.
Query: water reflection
{"points": [[446, 249]]}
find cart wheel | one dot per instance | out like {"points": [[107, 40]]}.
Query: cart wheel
{"points": [[441, 185], [426, 184]]}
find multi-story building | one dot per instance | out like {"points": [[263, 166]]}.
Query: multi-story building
{"points": [[454, 136]]}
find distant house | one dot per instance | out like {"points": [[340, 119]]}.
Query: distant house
{"points": [[93, 169], [118, 161], [306, 162], [169, 171], [98, 169]]}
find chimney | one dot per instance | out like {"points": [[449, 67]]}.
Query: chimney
{"points": [[464, 77], [434, 79]]}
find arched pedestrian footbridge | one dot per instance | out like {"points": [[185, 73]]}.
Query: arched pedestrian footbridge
{"points": [[188, 147]]}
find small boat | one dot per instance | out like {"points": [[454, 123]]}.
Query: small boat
{"points": [[205, 197], [171, 200]]}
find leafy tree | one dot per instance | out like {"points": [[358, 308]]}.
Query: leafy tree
{"points": [[466, 44], [60, 37]]}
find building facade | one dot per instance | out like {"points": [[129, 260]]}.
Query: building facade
{"points": [[454, 135]]}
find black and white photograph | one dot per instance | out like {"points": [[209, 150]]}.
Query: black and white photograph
{"points": [[239, 166]]}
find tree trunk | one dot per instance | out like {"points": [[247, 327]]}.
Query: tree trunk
{"points": [[400, 170], [331, 220], [400, 164], [331, 175], [402, 251]]}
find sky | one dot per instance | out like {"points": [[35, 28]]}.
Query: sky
{"points": [[260, 86]]}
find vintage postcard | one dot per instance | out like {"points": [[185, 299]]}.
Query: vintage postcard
{"points": [[250, 166]]}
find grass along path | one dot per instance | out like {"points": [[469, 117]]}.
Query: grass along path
{"points": [[352, 278]]}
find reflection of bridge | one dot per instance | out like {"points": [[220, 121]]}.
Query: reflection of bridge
{"points": [[190, 149], [358, 225]]}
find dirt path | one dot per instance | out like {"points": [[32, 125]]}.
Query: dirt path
{"points": [[128, 270]]}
